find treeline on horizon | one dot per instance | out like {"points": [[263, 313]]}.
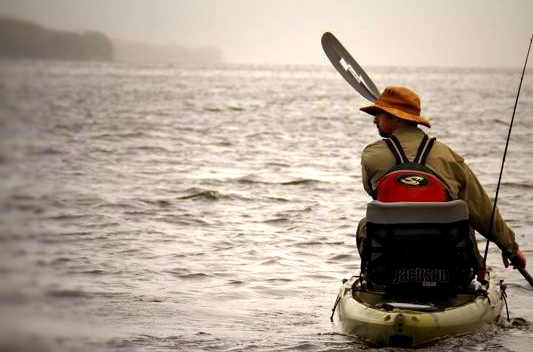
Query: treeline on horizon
{"points": [[26, 40], [21, 39]]}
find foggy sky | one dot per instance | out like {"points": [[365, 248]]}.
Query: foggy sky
{"points": [[473, 33]]}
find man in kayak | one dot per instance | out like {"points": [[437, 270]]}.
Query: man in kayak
{"points": [[397, 115]]}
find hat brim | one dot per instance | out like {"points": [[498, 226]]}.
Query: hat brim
{"points": [[375, 109]]}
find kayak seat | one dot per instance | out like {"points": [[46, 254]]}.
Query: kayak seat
{"points": [[418, 249]]}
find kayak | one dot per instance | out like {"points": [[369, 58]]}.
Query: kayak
{"points": [[381, 321]]}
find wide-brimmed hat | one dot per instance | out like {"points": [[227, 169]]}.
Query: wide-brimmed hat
{"points": [[400, 102]]}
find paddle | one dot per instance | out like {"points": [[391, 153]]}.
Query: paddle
{"points": [[517, 266], [349, 68], [524, 273]]}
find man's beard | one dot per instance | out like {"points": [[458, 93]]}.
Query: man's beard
{"points": [[382, 133]]}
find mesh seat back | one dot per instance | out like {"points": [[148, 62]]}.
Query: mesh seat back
{"points": [[423, 249]]}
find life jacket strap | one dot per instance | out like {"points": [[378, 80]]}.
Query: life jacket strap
{"points": [[421, 155], [421, 149], [396, 148]]}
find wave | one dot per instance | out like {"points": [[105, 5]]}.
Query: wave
{"points": [[66, 217], [277, 199], [193, 276], [304, 181], [212, 195], [499, 121], [68, 293], [236, 282], [250, 179], [280, 220], [162, 203], [521, 185], [315, 243], [205, 194], [278, 280], [271, 261], [151, 148], [122, 135], [341, 257], [277, 164], [93, 272], [184, 220], [235, 106], [149, 299]]}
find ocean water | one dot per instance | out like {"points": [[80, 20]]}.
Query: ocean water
{"points": [[164, 208]]}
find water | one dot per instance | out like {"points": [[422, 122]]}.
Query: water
{"points": [[214, 208]]}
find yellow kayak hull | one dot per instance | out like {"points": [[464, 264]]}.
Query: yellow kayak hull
{"points": [[359, 316]]}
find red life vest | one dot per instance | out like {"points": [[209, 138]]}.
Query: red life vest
{"points": [[411, 181]]}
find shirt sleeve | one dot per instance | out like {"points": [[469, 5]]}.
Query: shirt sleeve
{"points": [[366, 178], [480, 210]]}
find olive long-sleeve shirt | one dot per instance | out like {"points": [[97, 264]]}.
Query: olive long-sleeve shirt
{"points": [[377, 160]]}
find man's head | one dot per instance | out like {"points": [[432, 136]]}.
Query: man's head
{"points": [[394, 107]]}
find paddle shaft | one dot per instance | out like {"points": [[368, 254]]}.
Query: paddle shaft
{"points": [[513, 261], [525, 274]]}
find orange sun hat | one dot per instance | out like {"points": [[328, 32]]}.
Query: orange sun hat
{"points": [[400, 102]]}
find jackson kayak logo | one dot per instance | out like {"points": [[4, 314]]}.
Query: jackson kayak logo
{"points": [[428, 277], [412, 180]]}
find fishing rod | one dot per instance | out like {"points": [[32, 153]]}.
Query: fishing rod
{"points": [[508, 255]]}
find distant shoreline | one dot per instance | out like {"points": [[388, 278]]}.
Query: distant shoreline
{"points": [[26, 40], [21, 39]]}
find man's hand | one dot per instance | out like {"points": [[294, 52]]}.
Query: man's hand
{"points": [[520, 259]]}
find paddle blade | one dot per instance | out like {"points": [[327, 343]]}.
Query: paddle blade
{"points": [[349, 69]]}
